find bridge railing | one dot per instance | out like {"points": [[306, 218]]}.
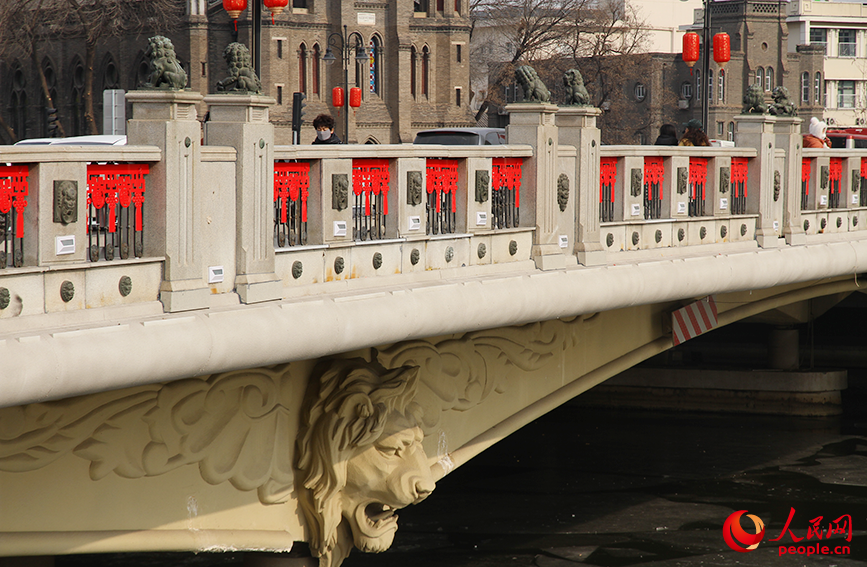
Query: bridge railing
{"points": [[342, 212], [657, 197], [833, 190], [74, 229]]}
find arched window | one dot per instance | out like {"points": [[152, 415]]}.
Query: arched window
{"points": [[51, 81], [314, 69], [731, 132], [425, 71], [19, 102], [722, 85], [110, 74], [817, 87], [698, 85], [77, 109], [413, 55], [769, 79], [375, 65], [805, 87], [710, 84], [640, 92], [760, 77], [302, 69]]}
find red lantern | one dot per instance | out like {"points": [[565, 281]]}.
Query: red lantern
{"points": [[722, 49], [690, 48], [276, 7], [337, 97], [234, 7], [355, 97]]}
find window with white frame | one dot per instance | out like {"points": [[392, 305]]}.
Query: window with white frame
{"points": [[710, 84], [686, 90], [845, 94], [805, 87], [722, 85], [769, 79], [640, 92], [846, 43], [760, 77], [731, 132], [819, 36], [818, 87]]}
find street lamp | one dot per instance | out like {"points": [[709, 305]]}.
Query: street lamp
{"points": [[342, 42]]}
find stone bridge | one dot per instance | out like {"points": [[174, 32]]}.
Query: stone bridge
{"points": [[212, 343]]}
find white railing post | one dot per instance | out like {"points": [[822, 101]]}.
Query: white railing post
{"points": [[788, 134], [757, 131]]}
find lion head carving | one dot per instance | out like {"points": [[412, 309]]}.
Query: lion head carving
{"points": [[360, 457]]}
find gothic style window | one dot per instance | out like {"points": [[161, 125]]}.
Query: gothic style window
{"points": [[805, 87], [722, 85], [314, 68], [413, 56], [77, 111], [769, 79], [760, 77], [302, 69], [375, 65], [19, 103], [425, 71]]}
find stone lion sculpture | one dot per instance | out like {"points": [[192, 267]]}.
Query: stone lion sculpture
{"points": [[754, 100], [359, 457], [576, 92], [165, 72], [242, 77], [783, 105], [534, 89]]}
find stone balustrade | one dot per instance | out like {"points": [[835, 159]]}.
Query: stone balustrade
{"points": [[199, 217]]}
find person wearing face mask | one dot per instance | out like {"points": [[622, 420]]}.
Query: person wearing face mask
{"points": [[324, 125]]}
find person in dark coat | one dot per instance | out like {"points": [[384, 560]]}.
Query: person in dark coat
{"points": [[667, 136], [694, 135], [324, 125]]}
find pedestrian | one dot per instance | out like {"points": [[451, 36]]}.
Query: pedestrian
{"points": [[667, 136], [817, 138], [324, 125], [694, 135]]}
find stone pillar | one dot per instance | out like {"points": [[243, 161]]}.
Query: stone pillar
{"points": [[577, 127], [788, 134], [241, 121], [533, 124], [783, 353], [757, 131], [173, 226]]}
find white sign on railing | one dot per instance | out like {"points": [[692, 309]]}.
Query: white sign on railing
{"points": [[823, 200], [681, 208], [564, 241], [636, 209], [414, 223], [215, 274], [340, 228], [64, 245], [481, 219], [776, 225], [854, 199], [723, 204]]}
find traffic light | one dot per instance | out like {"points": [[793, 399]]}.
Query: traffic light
{"points": [[51, 120], [298, 104]]}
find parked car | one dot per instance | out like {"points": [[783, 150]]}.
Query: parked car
{"points": [[96, 140], [462, 136]]}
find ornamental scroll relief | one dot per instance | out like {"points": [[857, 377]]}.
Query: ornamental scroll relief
{"points": [[237, 427]]}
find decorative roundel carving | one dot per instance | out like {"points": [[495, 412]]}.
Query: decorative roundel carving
{"points": [[513, 248], [339, 264], [702, 233], [482, 250], [377, 261], [823, 223], [609, 240], [723, 230], [854, 221], [806, 225], [635, 238], [124, 286], [297, 269], [67, 291], [743, 230], [450, 254], [658, 236], [414, 256], [4, 298], [839, 222], [681, 234]]}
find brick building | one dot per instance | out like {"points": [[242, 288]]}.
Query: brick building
{"points": [[416, 75]]}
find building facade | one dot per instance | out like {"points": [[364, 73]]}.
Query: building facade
{"points": [[415, 74]]}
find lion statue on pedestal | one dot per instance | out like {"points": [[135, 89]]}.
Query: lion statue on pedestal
{"points": [[165, 71], [242, 77], [533, 87], [754, 100], [359, 457], [576, 92]]}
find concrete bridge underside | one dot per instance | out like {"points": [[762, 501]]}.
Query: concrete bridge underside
{"points": [[194, 431]]}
